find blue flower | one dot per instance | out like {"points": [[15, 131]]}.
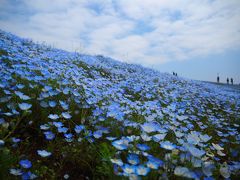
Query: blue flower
{"points": [[44, 127], [167, 145], [196, 152], [16, 172], [58, 124], [52, 103], [66, 115], [133, 159], [158, 137], [24, 106], [119, 144], [22, 96], [149, 127], [79, 128], [142, 170], [2, 143], [64, 105], [184, 172], [68, 136], [28, 175], [143, 147], [62, 129], [117, 161], [53, 116], [43, 153], [205, 137], [129, 169], [97, 134], [154, 163], [49, 135], [16, 140], [25, 164]]}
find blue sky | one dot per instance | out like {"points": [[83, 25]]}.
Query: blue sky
{"points": [[196, 38]]}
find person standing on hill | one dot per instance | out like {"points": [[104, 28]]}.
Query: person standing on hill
{"points": [[232, 81], [227, 81]]}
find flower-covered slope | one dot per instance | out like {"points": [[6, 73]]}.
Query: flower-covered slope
{"points": [[65, 115]]}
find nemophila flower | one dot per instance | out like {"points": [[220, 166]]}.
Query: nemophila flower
{"points": [[68, 136], [79, 128], [2, 121], [20, 86], [66, 115], [49, 135], [97, 134], [179, 134], [143, 147], [184, 172], [111, 138], [43, 104], [44, 127], [119, 144], [22, 96], [8, 114], [53, 116], [145, 137], [208, 167], [217, 147], [2, 143], [196, 152], [142, 170], [66, 176], [47, 88], [149, 127], [154, 163], [7, 92], [66, 90], [205, 137], [16, 172], [24, 106], [58, 124], [28, 175], [133, 159], [14, 111], [196, 162], [62, 129], [193, 139], [129, 169], [16, 140], [25, 164], [64, 105], [117, 161], [52, 103], [158, 137], [167, 145], [75, 93], [43, 153]]}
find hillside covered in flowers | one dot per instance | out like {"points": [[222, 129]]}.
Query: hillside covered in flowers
{"points": [[64, 115]]}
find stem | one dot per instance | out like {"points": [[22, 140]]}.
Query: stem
{"points": [[11, 132]]}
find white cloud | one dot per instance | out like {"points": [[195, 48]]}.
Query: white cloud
{"points": [[179, 30]]}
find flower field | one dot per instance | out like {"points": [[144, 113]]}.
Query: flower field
{"points": [[65, 115]]}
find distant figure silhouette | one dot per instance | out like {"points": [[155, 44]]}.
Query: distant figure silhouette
{"points": [[227, 81], [174, 73], [232, 81], [218, 79]]}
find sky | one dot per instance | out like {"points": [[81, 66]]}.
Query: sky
{"points": [[195, 38]]}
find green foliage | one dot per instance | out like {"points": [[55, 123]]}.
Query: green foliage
{"points": [[6, 161]]}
